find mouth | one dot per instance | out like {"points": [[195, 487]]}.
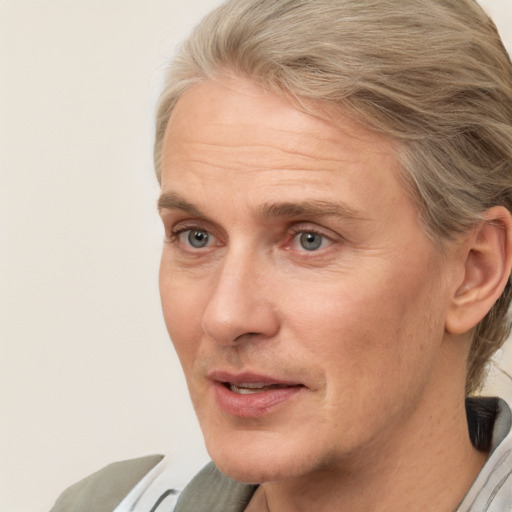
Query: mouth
{"points": [[249, 395], [251, 388]]}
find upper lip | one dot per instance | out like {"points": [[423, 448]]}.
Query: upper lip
{"points": [[237, 379]]}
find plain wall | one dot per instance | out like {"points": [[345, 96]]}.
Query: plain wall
{"points": [[87, 374]]}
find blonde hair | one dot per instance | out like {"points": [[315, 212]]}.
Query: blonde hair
{"points": [[431, 74]]}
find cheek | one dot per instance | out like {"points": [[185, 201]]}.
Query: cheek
{"points": [[182, 307], [373, 346], [366, 330]]}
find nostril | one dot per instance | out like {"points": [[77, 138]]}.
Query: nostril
{"points": [[247, 335]]}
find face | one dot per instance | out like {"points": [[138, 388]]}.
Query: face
{"points": [[304, 300]]}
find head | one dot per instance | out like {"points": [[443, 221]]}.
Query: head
{"points": [[432, 76]]}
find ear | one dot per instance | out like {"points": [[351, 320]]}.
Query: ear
{"points": [[487, 263]]}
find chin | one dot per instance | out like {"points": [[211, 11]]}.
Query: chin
{"points": [[246, 475], [257, 462], [249, 472]]}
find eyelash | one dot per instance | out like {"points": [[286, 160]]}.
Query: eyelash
{"points": [[177, 231], [296, 230], [291, 234]]}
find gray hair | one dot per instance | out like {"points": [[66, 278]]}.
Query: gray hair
{"points": [[432, 75]]}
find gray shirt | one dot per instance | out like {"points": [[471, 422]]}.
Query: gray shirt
{"points": [[146, 484]]}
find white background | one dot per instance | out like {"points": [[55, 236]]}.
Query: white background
{"points": [[87, 375]]}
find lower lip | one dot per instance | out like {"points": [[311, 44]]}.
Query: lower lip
{"points": [[252, 405]]}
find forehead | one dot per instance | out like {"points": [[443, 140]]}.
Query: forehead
{"points": [[218, 107], [232, 136]]}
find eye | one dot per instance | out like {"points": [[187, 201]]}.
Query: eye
{"points": [[196, 238], [310, 241]]}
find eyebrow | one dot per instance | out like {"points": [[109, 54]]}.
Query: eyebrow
{"points": [[313, 208], [173, 201]]}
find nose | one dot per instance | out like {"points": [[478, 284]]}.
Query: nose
{"points": [[241, 306]]}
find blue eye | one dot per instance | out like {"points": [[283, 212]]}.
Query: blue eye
{"points": [[196, 238], [310, 241]]}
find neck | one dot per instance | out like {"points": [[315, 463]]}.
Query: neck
{"points": [[426, 464]]}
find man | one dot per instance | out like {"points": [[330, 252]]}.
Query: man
{"points": [[336, 198]]}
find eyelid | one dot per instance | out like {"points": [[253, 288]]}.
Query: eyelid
{"points": [[180, 225], [306, 227], [184, 226]]}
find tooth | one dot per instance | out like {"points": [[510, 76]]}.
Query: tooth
{"points": [[246, 388], [245, 391]]}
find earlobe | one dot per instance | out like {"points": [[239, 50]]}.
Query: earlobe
{"points": [[487, 264]]}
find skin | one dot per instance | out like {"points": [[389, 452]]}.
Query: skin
{"points": [[359, 322]]}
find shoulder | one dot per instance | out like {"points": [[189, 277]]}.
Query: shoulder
{"points": [[104, 490], [492, 489], [149, 484]]}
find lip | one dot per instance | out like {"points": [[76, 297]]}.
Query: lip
{"points": [[255, 404]]}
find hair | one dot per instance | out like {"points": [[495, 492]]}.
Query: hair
{"points": [[432, 75]]}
